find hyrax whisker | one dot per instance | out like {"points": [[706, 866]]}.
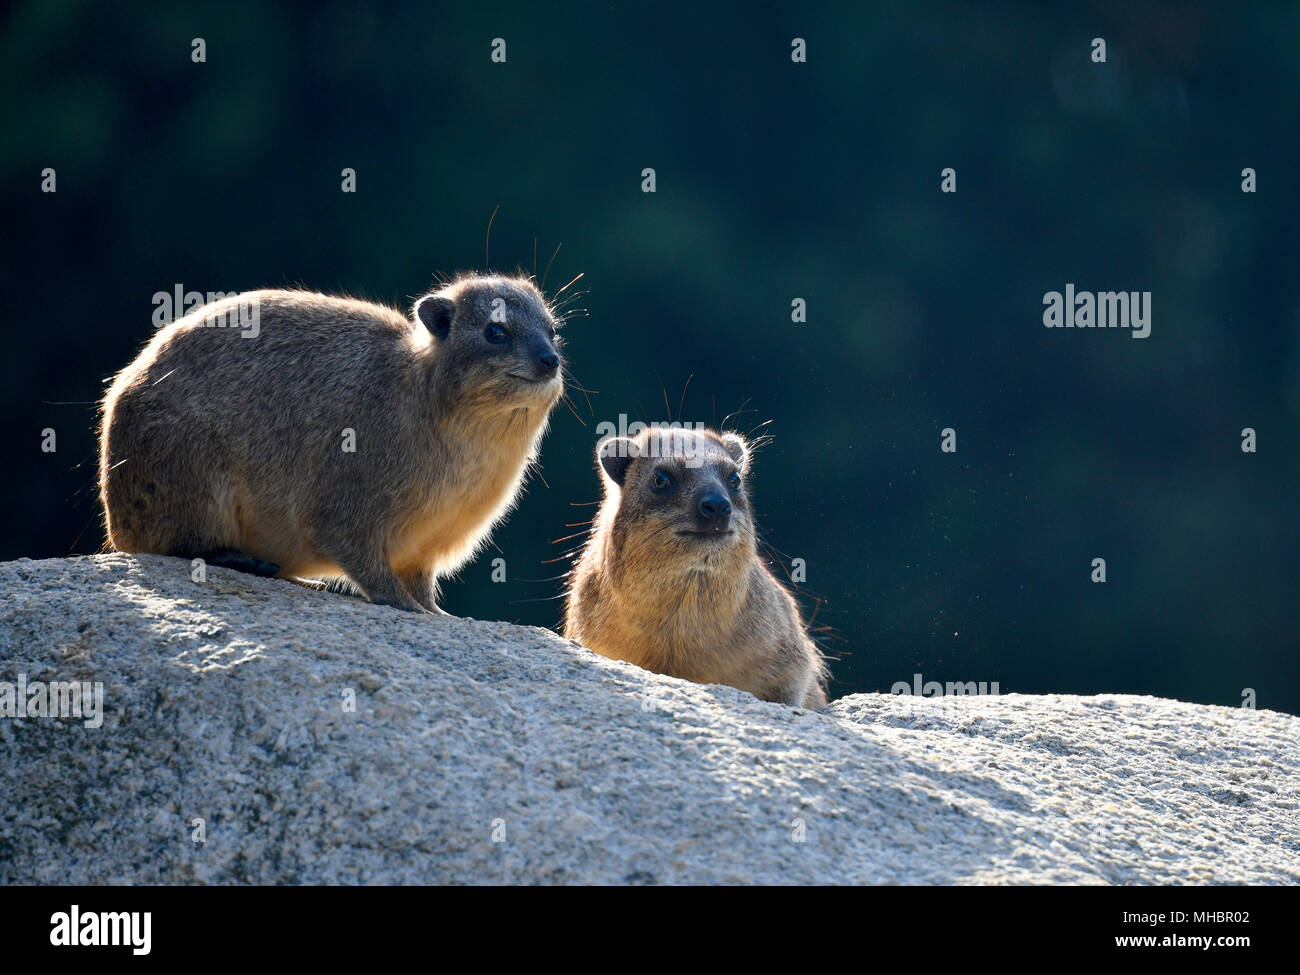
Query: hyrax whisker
{"points": [[548, 266], [568, 404]]}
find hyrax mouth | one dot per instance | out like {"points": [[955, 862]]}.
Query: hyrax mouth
{"points": [[707, 535], [534, 385]]}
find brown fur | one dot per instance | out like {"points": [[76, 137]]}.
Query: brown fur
{"points": [[702, 608], [212, 441]]}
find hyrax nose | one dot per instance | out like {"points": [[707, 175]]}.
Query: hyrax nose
{"points": [[715, 512], [546, 358]]}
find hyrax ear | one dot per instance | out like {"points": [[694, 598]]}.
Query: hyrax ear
{"points": [[614, 455], [435, 312], [737, 448]]}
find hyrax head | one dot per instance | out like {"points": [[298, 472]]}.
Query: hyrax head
{"points": [[682, 497], [496, 339]]}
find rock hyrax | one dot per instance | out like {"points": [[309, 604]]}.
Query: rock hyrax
{"points": [[329, 437], [670, 578]]}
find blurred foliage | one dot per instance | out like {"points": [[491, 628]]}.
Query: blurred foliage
{"points": [[775, 180]]}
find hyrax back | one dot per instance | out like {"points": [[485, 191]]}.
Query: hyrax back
{"points": [[332, 437], [671, 580]]}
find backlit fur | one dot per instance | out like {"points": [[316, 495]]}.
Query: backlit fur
{"points": [[212, 441], [704, 609]]}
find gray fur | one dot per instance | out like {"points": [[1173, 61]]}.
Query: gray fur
{"points": [[213, 440]]}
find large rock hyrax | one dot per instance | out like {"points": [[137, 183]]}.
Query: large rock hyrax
{"points": [[329, 437], [670, 578]]}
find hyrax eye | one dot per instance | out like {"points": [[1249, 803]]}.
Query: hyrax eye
{"points": [[734, 481], [662, 481], [496, 333]]}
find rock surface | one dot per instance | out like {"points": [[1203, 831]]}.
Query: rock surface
{"points": [[492, 753]]}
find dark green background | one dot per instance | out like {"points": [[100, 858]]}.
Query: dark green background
{"points": [[775, 180]]}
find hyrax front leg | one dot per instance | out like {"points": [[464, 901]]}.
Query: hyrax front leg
{"points": [[423, 585], [367, 566], [385, 589]]}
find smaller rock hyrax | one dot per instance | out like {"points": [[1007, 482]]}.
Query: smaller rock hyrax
{"points": [[670, 578], [329, 437]]}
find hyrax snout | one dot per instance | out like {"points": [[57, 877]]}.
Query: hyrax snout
{"points": [[316, 436], [671, 579]]}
